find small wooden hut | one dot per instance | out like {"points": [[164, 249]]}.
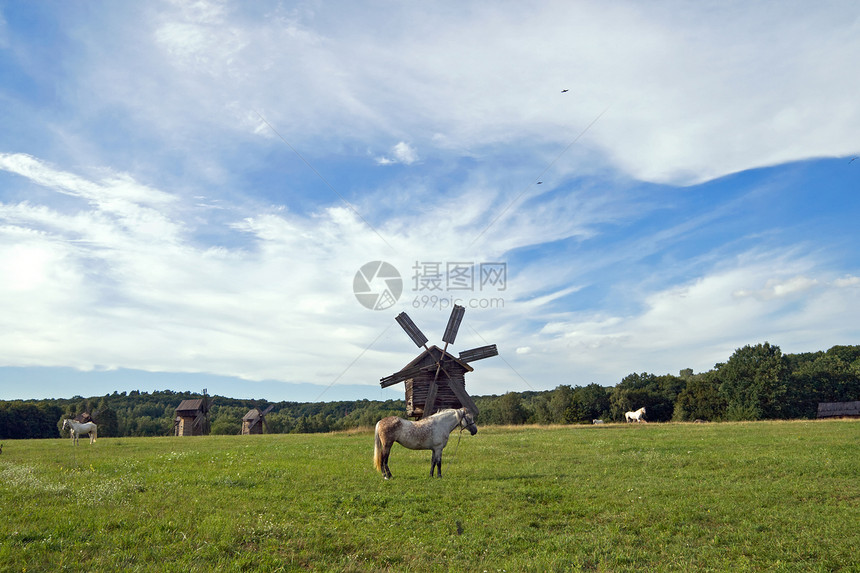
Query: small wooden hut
{"points": [[254, 421], [839, 409], [192, 417]]}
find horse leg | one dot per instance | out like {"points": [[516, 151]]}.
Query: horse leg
{"points": [[386, 451], [436, 462]]}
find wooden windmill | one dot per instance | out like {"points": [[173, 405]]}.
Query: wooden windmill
{"points": [[435, 379], [192, 417], [255, 420]]}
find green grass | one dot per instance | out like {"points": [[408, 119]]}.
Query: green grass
{"points": [[775, 496]]}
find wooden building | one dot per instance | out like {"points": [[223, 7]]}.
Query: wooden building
{"points": [[448, 388], [254, 421], [839, 409], [192, 417]]}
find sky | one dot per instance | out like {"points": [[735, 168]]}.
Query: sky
{"points": [[241, 196]]}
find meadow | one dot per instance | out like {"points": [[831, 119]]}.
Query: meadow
{"points": [[775, 496]]}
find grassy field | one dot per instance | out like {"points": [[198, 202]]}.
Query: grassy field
{"points": [[775, 496]]}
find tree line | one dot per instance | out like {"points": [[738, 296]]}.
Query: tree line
{"points": [[756, 383]]}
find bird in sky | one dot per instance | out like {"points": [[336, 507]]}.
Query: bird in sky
{"points": [[562, 91], [852, 159]]}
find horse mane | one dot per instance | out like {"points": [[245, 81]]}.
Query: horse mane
{"points": [[440, 412]]}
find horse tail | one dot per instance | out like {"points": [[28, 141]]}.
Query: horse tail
{"points": [[95, 432], [377, 449]]}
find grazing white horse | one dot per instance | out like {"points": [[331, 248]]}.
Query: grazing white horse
{"points": [[428, 434], [635, 416], [596, 421], [79, 430]]}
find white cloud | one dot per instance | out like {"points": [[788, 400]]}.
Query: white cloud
{"points": [[848, 281], [402, 153], [405, 153], [775, 288]]}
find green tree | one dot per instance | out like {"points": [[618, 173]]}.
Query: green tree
{"points": [[826, 379], [656, 393], [510, 409], [700, 399], [561, 405], [226, 425], [540, 409], [590, 402], [754, 383], [106, 419], [847, 354]]}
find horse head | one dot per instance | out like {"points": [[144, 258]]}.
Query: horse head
{"points": [[467, 422]]}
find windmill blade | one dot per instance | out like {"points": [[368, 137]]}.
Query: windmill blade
{"points": [[430, 401], [267, 410], [453, 324], [459, 390], [414, 333], [404, 374], [479, 353]]}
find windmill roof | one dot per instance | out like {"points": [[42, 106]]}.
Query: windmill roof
{"points": [[436, 353], [252, 414], [190, 405]]}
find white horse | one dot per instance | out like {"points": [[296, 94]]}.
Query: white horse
{"points": [[596, 421], [79, 430], [428, 434], [636, 416]]}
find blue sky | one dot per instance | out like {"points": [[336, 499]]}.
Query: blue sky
{"points": [[188, 189]]}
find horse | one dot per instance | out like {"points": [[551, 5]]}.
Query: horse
{"points": [[79, 430], [596, 421], [428, 434], [635, 416]]}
